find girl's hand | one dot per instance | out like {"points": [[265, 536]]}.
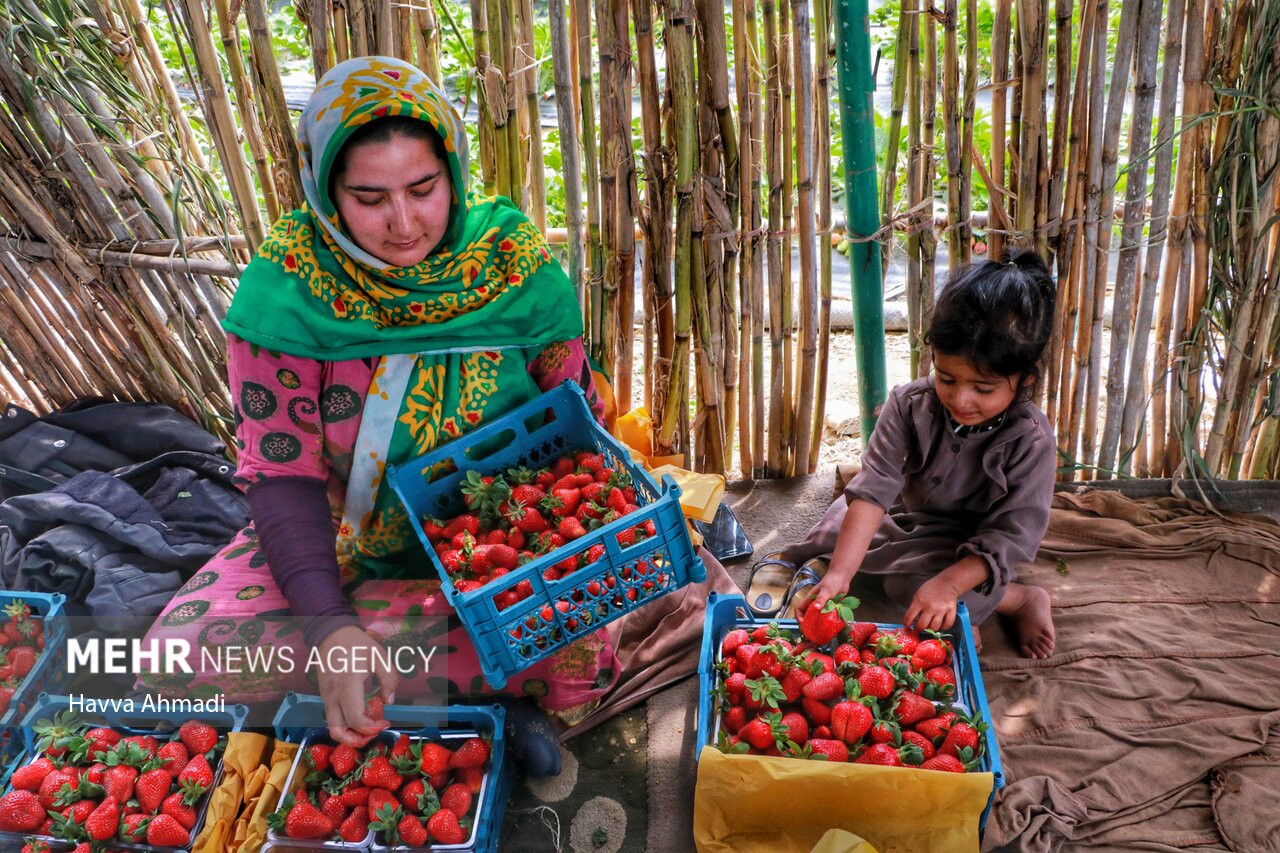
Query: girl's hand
{"points": [[343, 692], [933, 608], [832, 583]]}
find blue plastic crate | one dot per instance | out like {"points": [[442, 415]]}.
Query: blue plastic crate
{"points": [[300, 715], [50, 672], [726, 612], [511, 640], [136, 722]]}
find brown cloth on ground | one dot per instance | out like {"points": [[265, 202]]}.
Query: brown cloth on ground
{"points": [[1156, 723], [658, 644]]}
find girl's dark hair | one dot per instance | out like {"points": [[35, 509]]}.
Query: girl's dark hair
{"points": [[998, 316], [382, 130]]}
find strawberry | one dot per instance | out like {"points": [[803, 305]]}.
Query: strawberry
{"points": [[487, 557], [936, 729], [104, 820], [860, 631], [467, 523], [846, 653], [355, 826], [100, 740], [563, 502], [435, 758], [962, 736], [851, 720], [794, 681], [380, 799], [912, 708], [354, 794], [797, 727], [197, 737], [832, 750], [732, 641], [926, 746], [759, 733], [177, 808], [152, 787], [888, 755], [523, 590], [571, 528], [411, 831], [929, 653], [332, 806], [318, 756], [197, 771], [432, 529], [343, 760], [456, 798], [885, 731], [444, 828], [96, 772], [876, 681], [472, 777], [379, 773], [303, 821], [23, 658], [164, 831], [146, 743], [824, 687], [20, 811], [175, 756], [414, 795], [528, 494], [940, 682], [819, 713], [29, 777], [944, 762], [474, 752], [526, 518], [119, 781], [821, 625], [563, 466], [594, 553], [54, 784], [453, 561], [133, 827]]}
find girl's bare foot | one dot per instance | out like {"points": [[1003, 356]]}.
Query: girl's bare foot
{"points": [[1029, 611]]}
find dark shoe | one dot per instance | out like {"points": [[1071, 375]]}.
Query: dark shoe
{"points": [[532, 738], [809, 575]]}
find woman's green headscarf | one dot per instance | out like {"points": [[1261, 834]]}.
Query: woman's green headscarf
{"points": [[311, 291]]}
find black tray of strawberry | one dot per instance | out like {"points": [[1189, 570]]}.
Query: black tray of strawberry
{"points": [[401, 792], [138, 787], [832, 688]]}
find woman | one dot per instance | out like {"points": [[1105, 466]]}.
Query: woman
{"points": [[389, 315]]}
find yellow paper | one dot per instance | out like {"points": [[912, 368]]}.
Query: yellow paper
{"points": [[839, 841], [758, 804], [243, 756], [635, 429], [700, 494], [254, 829]]}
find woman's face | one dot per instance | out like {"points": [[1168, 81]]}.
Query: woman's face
{"points": [[394, 199], [972, 397]]}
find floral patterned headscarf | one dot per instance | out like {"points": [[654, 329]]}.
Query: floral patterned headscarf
{"points": [[311, 291]]}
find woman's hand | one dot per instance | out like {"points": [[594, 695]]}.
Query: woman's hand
{"points": [[343, 692], [933, 608]]}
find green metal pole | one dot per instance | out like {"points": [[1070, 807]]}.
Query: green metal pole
{"points": [[861, 196]]}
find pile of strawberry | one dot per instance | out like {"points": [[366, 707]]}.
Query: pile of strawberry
{"points": [[514, 518], [93, 785], [844, 691], [415, 791], [21, 644]]}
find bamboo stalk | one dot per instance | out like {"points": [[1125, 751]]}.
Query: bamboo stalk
{"points": [[773, 150], [229, 35], [916, 155], [906, 21], [928, 165], [279, 124], [318, 21], [221, 122], [744, 55], [822, 109], [427, 27], [999, 106], [1031, 28], [1148, 43], [788, 397], [804, 417], [130, 260], [957, 225], [755, 77], [1161, 453], [680, 68], [528, 60], [1064, 42], [967, 118], [570, 156]]}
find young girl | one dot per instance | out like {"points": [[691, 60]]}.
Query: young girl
{"points": [[957, 478]]}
